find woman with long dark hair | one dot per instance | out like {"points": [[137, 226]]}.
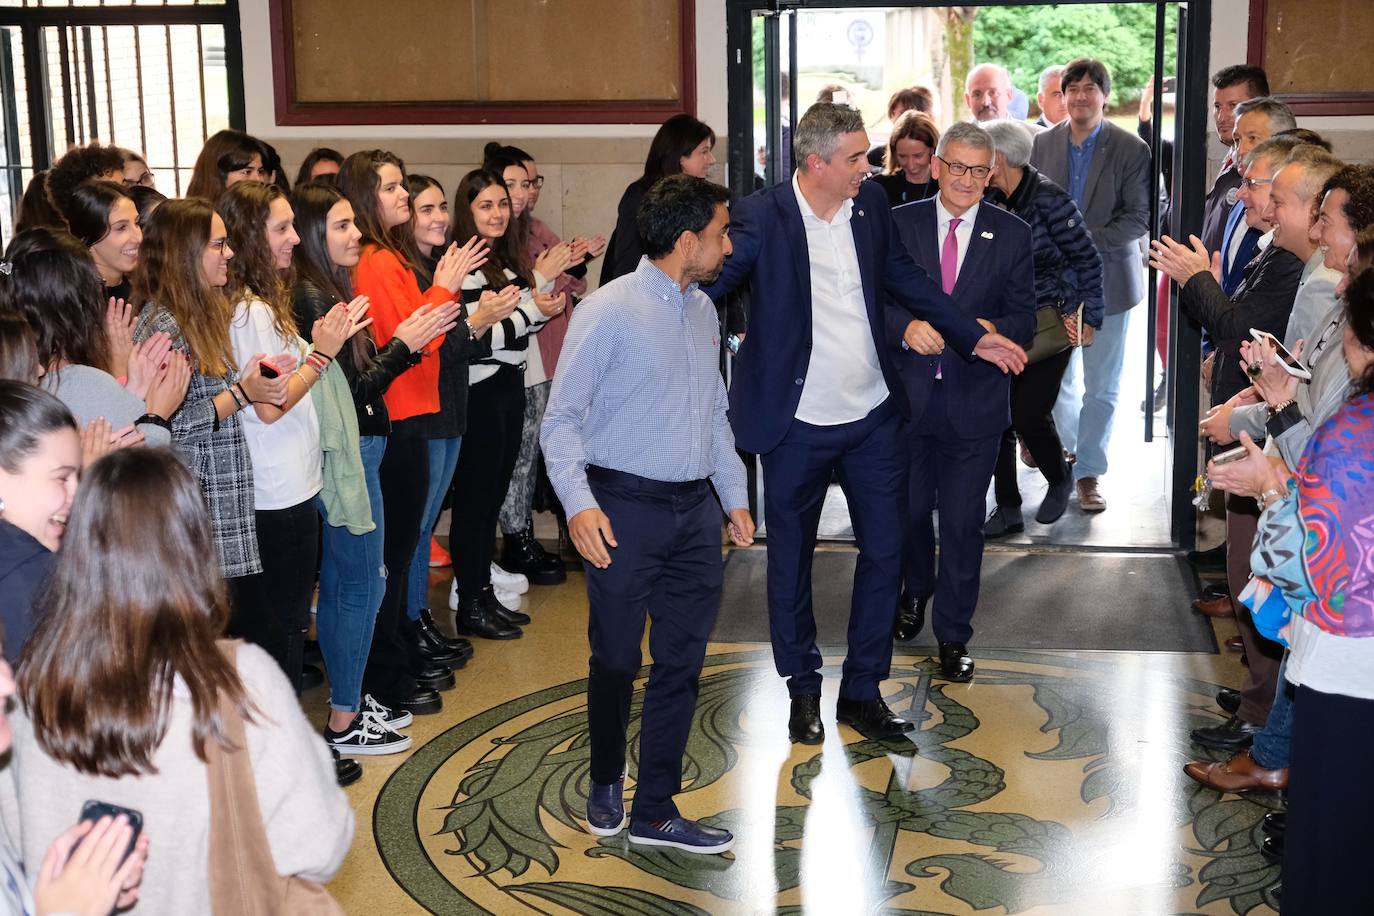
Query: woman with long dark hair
{"points": [[430, 225], [374, 183], [353, 573], [228, 156], [53, 285], [105, 218], [496, 404], [320, 164], [141, 716], [682, 144], [273, 610], [180, 279], [521, 553]]}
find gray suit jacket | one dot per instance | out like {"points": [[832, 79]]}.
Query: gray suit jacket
{"points": [[1116, 204]]}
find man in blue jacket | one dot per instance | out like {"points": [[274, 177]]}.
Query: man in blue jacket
{"points": [[983, 256], [815, 392]]}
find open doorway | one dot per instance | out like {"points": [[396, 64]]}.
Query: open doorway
{"points": [[786, 55]]}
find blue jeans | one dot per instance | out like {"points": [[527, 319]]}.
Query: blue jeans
{"points": [[1273, 747], [443, 458], [1087, 397], [352, 582]]}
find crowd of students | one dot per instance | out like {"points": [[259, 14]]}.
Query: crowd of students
{"points": [[268, 397]]}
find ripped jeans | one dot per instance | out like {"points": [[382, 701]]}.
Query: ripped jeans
{"points": [[352, 582]]}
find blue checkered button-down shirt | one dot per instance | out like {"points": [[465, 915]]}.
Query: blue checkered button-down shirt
{"points": [[1080, 163], [638, 389]]}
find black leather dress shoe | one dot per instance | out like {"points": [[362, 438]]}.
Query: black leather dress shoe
{"points": [[500, 611], [1232, 736], [804, 724], [1228, 700], [1275, 822], [476, 619], [437, 656], [911, 617], [346, 770], [422, 701], [435, 677], [955, 664], [1272, 849], [871, 718], [430, 633]]}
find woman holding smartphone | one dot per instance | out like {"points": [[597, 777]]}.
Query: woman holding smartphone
{"points": [[181, 278], [496, 401], [283, 440], [135, 717], [374, 183]]}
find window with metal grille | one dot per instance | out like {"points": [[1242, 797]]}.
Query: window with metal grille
{"points": [[153, 76]]}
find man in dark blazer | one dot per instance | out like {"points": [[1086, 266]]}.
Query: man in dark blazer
{"points": [[959, 410], [1106, 171], [815, 392]]}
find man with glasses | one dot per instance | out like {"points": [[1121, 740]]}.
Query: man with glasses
{"points": [[1106, 171], [983, 257]]}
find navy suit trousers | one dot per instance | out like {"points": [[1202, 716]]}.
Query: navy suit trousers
{"points": [[868, 456], [669, 565], [951, 475]]}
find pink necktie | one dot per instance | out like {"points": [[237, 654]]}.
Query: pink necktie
{"points": [[949, 257]]}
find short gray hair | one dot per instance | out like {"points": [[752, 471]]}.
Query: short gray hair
{"points": [[820, 129], [970, 134], [1052, 72], [1273, 152], [1280, 115], [1010, 138]]}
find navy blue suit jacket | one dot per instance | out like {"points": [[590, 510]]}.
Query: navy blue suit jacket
{"points": [[996, 282], [770, 252]]}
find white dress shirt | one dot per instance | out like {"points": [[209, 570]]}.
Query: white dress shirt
{"points": [[844, 380]]}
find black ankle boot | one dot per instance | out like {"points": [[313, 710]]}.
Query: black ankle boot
{"points": [[521, 553], [434, 638], [500, 611], [476, 619]]}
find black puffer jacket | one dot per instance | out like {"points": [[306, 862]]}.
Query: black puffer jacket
{"points": [[368, 383]]}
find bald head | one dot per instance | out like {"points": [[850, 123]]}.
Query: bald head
{"points": [[987, 92]]}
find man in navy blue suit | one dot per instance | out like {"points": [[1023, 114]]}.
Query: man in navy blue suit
{"points": [[983, 257], [815, 393]]}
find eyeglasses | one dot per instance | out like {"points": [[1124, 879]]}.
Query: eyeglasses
{"points": [[537, 182], [1253, 183], [958, 168]]}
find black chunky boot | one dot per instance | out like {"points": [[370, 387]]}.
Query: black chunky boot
{"points": [[521, 553], [437, 641], [476, 619]]}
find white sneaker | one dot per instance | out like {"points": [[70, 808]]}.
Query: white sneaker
{"points": [[366, 737], [508, 581], [389, 717], [453, 594], [509, 600]]}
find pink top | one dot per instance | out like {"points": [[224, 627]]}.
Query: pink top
{"points": [[550, 339]]}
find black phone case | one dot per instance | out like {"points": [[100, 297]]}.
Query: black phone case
{"points": [[94, 810]]}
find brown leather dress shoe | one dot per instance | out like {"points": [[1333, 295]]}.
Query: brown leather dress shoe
{"points": [[1089, 499], [1240, 774], [1215, 607], [1235, 644]]}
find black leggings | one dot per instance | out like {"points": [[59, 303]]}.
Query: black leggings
{"points": [[486, 460], [1033, 394], [394, 657], [272, 608]]}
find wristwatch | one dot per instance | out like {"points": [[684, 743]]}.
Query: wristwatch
{"points": [[1269, 496]]}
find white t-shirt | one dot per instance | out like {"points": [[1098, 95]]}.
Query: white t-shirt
{"points": [[287, 461]]}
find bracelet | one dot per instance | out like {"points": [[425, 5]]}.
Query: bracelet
{"points": [[238, 404], [153, 420], [1276, 409], [1268, 495], [317, 361]]}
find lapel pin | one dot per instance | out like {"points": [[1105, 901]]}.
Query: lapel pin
{"points": [[987, 235], [861, 213]]}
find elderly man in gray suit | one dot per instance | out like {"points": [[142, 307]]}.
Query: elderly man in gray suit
{"points": [[1106, 171]]}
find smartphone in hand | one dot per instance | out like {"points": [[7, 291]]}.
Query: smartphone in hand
{"points": [[94, 810], [1287, 361], [267, 370]]}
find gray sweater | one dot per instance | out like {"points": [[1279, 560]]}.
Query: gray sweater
{"points": [[92, 393], [309, 819]]}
